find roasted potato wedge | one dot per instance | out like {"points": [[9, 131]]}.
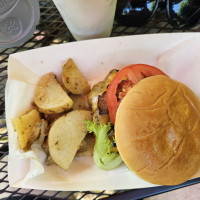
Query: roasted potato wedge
{"points": [[82, 146], [49, 160], [50, 97], [73, 79], [38, 132], [85, 149], [90, 141], [45, 146], [42, 127], [23, 125], [66, 135], [79, 102], [52, 117]]}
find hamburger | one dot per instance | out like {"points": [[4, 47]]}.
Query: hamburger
{"points": [[157, 131], [156, 125]]}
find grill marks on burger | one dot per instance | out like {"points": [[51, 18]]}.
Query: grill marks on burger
{"points": [[123, 88]]}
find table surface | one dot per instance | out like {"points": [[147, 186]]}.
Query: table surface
{"points": [[50, 31]]}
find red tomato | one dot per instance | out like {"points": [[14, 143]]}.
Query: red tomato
{"points": [[125, 79]]}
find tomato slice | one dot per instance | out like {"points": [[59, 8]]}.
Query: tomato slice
{"points": [[125, 79]]}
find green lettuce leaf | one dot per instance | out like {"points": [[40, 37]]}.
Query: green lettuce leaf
{"points": [[103, 157]]}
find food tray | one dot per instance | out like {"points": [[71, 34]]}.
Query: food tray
{"points": [[50, 31]]}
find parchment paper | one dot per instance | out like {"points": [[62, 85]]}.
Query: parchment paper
{"points": [[178, 55]]}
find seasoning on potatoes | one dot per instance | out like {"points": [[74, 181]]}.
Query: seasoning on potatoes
{"points": [[23, 125], [50, 97], [66, 135], [73, 79]]}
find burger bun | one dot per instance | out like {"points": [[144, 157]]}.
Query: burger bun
{"points": [[157, 131]]}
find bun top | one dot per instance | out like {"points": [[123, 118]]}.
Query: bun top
{"points": [[157, 131]]}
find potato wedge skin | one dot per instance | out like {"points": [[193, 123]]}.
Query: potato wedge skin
{"points": [[73, 79], [39, 132], [90, 142], [66, 135], [79, 102], [50, 97], [23, 125]]}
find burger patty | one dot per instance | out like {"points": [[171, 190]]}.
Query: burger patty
{"points": [[102, 104]]}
